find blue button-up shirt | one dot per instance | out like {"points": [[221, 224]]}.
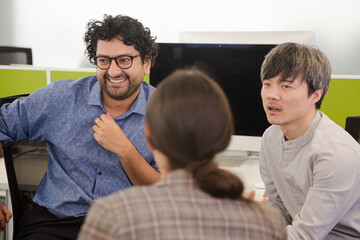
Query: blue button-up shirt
{"points": [[79, 169]]}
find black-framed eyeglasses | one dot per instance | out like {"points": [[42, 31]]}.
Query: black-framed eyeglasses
{"points": [[123, 61]]}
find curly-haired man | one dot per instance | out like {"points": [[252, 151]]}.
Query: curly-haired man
{"points": [[93, 126]]}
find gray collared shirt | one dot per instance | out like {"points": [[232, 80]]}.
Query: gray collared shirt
{"points": [[314, 180]]}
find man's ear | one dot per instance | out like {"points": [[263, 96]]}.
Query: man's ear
{"points": [[147, 65], [317, 95], [148, 136]]}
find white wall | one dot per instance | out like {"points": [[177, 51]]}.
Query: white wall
{"points": [[54, 29]]}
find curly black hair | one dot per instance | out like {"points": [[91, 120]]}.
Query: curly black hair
{"points": [[130, 29]]}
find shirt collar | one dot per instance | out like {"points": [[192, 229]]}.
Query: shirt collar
{"points": [[139, 106], [307, 136], [95, 95]]}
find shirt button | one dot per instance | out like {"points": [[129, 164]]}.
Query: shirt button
{"points": [[99, 173]]}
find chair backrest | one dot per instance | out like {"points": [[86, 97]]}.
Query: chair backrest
{"points": [[26, 164], [352, 126], [15, 55]]}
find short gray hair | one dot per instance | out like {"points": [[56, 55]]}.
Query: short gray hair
{"points": [[291, 60]]}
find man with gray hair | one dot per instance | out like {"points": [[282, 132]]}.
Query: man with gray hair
{"points": [[309, 164]]}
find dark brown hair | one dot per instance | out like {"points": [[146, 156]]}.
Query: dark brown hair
{"points": [[131, 30], [292, 60], [190, 122]]}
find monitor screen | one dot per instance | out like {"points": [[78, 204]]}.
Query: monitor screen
{"points": [[15, 55], [236, 68]]}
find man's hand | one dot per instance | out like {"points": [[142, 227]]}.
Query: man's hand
{"points": [[109, 135], [251, 197], [5, 216]]}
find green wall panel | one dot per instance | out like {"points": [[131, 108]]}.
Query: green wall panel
{"points": [[61, 75], [342, 100], [14, 82], [147, 78]]}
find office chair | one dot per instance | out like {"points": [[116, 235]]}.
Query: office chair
{"points": [[25, 163], [352, 126], [15, 55]]}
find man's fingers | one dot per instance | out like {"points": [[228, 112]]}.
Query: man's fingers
{"points": [[5, 215], [251, 196], [265, 200], [2, 221], [2, 224]]}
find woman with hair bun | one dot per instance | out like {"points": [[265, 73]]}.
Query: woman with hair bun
{"points": [[188, 122]]}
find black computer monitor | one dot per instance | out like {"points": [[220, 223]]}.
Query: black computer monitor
{"points": [[15, 55], [236, 67]]}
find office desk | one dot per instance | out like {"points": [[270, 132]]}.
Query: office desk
{"points": [[5, 190]]}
